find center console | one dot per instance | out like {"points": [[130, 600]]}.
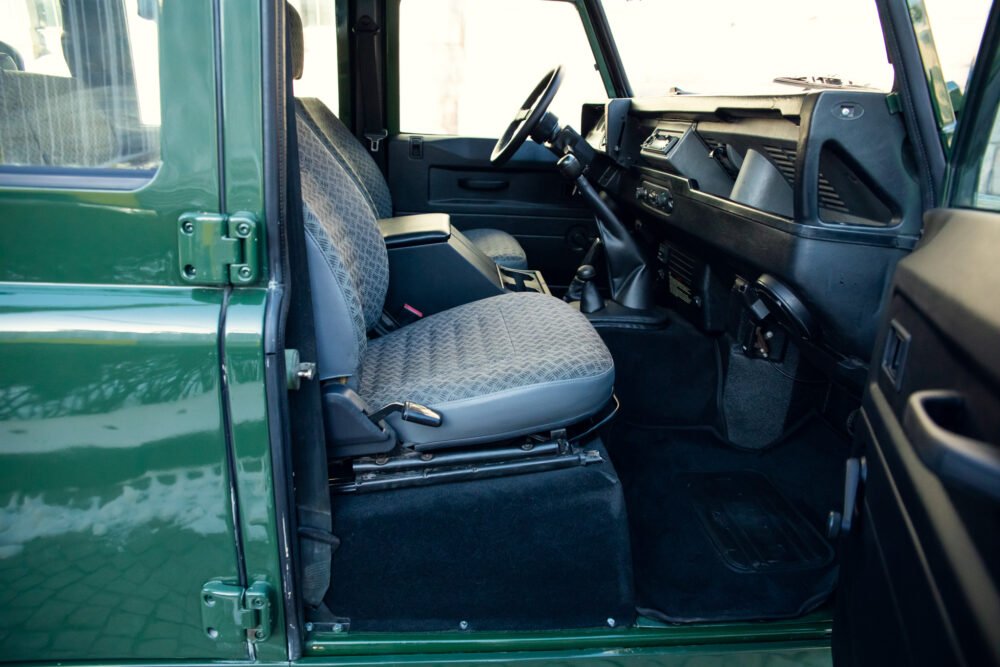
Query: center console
{"points": [[434, 267]]}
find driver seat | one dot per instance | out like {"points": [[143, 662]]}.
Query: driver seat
{"points": [[499, 246], [506, 366]]}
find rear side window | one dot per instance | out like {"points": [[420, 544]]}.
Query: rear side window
{"points": [[79, 84], [466, 65]]}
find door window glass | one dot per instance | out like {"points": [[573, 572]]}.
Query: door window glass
{"points": [[466, 65], [958, 28], [987, 194], [319, 74], [948, 35], [79, 84]]}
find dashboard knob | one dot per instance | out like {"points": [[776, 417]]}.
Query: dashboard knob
{"points": [[663, 200]]}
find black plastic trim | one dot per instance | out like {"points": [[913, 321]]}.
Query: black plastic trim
{"points": [[681, 188], [915, 96], [276, 312]]}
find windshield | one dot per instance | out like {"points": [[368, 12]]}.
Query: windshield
{"points": [[741, 47]]}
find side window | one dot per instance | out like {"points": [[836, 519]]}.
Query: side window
{"points": [[948, 35], [987, 194], [466, 65], [79, 84], [319, 75]]}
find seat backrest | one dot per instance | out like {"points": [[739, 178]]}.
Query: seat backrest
{"points": [[352, 153], [348, 262]]}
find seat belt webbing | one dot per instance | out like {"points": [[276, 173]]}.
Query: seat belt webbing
{"points": [[366, 35]]}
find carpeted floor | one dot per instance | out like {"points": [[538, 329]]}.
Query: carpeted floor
{"points": [[722, 534]]}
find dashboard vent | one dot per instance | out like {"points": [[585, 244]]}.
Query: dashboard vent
{"points": [[784, 160], [681, 269], [712, 143], [829, 198]]}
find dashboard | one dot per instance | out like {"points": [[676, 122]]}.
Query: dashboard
{"points": [[815, 191]]}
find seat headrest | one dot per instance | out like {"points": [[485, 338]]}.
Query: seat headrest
{"points": [[293, 26]]}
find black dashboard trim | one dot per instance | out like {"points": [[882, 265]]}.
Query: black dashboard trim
{"points": [[681, 188]]}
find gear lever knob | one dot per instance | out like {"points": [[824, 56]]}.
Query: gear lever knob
{"points": [[585, 273]]}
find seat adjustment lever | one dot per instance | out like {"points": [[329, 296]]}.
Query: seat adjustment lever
{"points": [[409, 412]]}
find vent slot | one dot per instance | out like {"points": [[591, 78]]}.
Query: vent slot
{"points": [[784, 160], [829, 198], [681, 269], [842, 180]]}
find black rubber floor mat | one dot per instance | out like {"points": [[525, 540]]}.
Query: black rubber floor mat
{"points": [[762, 555], [753, 527]]}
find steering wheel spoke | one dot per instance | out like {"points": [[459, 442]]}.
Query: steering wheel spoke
{"points": [[527, 117]]}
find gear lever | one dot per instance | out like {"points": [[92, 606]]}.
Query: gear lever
{"points": [[591, 300], [630, 277]]}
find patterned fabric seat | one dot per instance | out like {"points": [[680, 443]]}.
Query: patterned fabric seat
{"points": [[499, 246], [497, 368]]}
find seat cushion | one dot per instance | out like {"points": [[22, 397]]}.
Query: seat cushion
{"points": [[500, 246], [497, 368]]}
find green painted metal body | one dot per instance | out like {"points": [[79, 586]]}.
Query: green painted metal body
{"points": [[812, 631], [113, 496]]}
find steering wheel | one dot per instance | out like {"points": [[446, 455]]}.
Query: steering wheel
{"points": [[527, 117]]}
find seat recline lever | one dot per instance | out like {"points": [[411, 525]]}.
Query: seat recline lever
{"points": [[409, 412]]}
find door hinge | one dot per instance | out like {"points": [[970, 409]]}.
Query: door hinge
{"points": [[217, 248], [231, 613]]}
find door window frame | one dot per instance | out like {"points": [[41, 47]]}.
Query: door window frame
{"points": [[982, 105], [937, 87]]}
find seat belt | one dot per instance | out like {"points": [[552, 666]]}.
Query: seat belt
{"points": [[369, 57]]}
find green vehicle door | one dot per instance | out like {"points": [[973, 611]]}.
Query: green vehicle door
{"points": [[119, 302]]}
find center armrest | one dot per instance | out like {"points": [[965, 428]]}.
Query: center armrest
{"points": [[413, 230]]}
